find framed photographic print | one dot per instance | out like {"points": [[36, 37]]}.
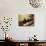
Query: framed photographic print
{"points": [[26, 20]]}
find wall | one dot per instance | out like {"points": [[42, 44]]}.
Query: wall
{"points": [[12, 8]]}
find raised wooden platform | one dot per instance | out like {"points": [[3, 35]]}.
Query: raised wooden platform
{"points": [[8, 42]]}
